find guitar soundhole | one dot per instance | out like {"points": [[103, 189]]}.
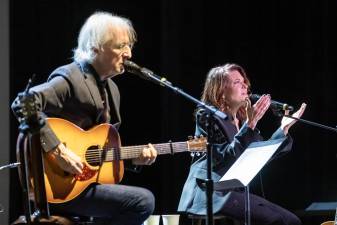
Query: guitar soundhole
{"points": [[94, 156]]}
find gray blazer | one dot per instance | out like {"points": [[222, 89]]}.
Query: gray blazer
{"points": [[229, 144], [72, 93]]}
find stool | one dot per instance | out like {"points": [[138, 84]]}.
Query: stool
{"points": [[198, 219]]}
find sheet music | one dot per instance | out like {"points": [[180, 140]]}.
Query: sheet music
{"points": [[252, 160]]}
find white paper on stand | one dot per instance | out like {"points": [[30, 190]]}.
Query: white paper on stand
{"points": [[252, 160]]}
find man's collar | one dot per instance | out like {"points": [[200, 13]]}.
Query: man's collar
{"points": [[87, 68]]}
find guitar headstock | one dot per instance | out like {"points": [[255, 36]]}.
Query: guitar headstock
{"points": [[26, 111], [27, 106], [197, 144]]}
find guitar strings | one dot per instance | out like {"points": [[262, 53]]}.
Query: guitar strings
{"points": [[95, 155]]}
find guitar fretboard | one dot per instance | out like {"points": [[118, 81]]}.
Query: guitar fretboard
{"points": [[130, 152]]}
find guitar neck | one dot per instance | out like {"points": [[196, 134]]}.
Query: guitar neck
{"points": [[131, 152]]}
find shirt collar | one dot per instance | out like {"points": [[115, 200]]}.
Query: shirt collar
{"points": [[88, 68]]}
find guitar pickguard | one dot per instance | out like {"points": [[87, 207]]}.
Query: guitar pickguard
{"points": [[86, 174]]}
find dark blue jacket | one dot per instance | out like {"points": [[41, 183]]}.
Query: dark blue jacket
{"points": [[229, 144]]}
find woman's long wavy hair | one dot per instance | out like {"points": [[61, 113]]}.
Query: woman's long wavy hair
{"points": [[215, 84]]}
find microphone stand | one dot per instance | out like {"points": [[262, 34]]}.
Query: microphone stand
{"points": [[209, 182], [280, 113], [149, 75], [211, 111], [312, 123]]}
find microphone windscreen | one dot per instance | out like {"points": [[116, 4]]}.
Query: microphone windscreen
{"points": [[254, 97], [131, 66]]}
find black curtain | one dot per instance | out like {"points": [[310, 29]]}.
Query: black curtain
{"points": [[287, 48]]}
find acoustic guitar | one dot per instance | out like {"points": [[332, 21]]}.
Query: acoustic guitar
{"points": [[102, 155]]}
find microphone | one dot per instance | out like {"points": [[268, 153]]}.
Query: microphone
{"points": [[274, 104], [144, 73], [132, 67]]}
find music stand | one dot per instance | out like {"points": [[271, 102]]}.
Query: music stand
{"points": [[246, 167]]}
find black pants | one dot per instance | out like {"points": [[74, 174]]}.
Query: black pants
{"points": [[262, 211], [110, 204]]}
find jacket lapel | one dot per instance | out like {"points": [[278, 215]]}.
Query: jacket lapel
{"points": [[93, 89], [112, 88]]}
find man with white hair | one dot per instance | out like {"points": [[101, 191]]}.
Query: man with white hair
{"points": [[83, 93]]}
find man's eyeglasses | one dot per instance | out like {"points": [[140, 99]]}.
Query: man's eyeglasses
{"points": [[124, 46]]}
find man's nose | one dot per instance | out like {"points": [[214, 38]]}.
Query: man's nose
{"points": [[127, 53]]}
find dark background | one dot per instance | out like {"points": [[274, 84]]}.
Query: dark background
{"points": [[287, 47]]}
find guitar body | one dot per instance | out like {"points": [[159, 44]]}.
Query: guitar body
{"points": [[102, 156], [62, 186], [328, 223]]}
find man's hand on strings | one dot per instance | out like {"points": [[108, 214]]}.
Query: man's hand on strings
{"points": [[147, 157]]}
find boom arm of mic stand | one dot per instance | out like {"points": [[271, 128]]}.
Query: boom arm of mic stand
{"points": [[149, 75], [312, 123]]}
